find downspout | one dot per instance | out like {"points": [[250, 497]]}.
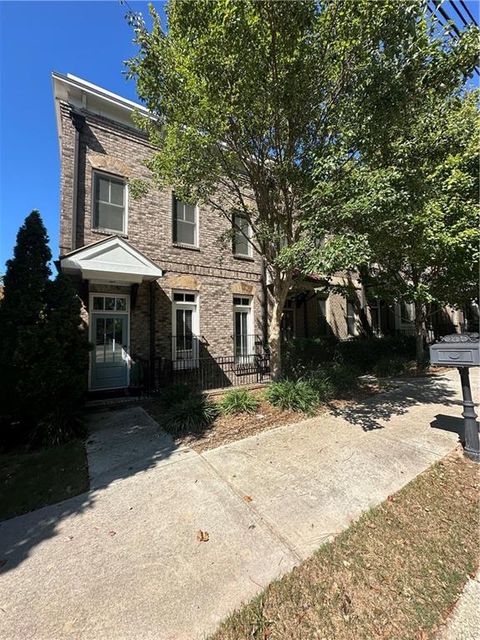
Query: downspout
{"points": [[152, 335], [78, 121]]}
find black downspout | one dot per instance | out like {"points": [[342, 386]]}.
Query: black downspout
{"points": [[78, 122], [152, 335]]}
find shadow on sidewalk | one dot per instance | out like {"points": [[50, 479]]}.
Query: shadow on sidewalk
{"points": [[121, 443], [371, 413]]}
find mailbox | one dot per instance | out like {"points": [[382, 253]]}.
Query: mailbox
{"points": [[462, 350], [456, 350]]}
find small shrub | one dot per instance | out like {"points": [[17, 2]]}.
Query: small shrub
{"points": [[238, 401], [296, 395], [171, 396], [301, 355], [344, 377], [365, 353], [56, 428], [191, 414], [322, 385], [387, 367]]}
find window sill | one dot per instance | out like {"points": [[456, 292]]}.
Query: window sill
{"points": [[240, 257], [109, 232], [178, 245]]}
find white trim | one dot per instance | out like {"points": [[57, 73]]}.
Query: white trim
{"points": [[111, 260], [91, 313], [250, 322], [119, 178], [176, 243], [195, 308], [326, 297], [248, 237], [356, 319]]}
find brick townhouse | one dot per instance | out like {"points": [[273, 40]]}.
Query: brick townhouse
{"points": [[156, 276]]}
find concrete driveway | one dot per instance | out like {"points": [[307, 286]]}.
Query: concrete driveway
{"points": [[123, 561]]}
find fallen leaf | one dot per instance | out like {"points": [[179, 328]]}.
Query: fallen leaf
{"points": [[247, 498], [391, 498], [202, 536], [112, 533]]}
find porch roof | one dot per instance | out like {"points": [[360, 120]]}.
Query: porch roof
{"points": [[112, 259]]}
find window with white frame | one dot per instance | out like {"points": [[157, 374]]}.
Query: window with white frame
{"points": [[351, 318], [110, 303], [184, 223], [376, 317], [242, 233], [185, 327], [109, 203], [288, 319], [322, 315], [244, 340]]}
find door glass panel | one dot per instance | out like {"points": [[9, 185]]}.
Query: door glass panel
{"points": [[99, 340], [121, 304], [98, 303], [241, 335], [110, 304]]}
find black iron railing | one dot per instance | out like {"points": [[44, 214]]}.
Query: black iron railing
{"points": [[214, 372]]}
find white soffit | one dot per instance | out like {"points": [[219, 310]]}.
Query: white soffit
{"points": [[112, 260]]}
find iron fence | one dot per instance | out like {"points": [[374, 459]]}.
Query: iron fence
{"points": [[214, 372]]}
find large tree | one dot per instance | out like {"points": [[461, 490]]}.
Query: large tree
{"points": [[405, 210], [245, 95], [43, 345], [24, 298]]}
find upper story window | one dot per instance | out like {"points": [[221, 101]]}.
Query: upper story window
{"points": [[109, 203], [351, 318], [242, 233], [185, 223]]}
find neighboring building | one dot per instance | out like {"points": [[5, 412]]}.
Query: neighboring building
{"points": [[156, 281]]}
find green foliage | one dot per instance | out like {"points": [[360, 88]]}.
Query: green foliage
{"points": [[191, 414], [393, 366], [57, 427], [364, 353], [303, 355], [24, 299], [404, 209], [137, 188], [44, 379], [170, 396], [293, 395], [343, 377], [238, 401], [250, 97]]}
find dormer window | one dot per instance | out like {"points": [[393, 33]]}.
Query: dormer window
{"points": [[184, 223], [109, 203]]}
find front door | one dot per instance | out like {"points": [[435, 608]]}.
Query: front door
{"points": [[109, 357]]}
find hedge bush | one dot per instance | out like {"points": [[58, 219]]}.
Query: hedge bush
{"points": [[191, 414], [294, 395], [238, 401], [387, 367]]}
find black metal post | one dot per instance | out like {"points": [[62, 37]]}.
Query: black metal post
{"points": [[472, 438]]}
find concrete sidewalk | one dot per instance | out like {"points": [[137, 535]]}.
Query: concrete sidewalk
{"points": [[123, 561]]}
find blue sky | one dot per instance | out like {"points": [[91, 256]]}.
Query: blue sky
{"points": [[87, 39]]}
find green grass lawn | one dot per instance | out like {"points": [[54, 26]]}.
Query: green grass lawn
{"points": [[30, 480], [395, 574]]}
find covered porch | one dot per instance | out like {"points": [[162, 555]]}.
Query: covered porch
{"points": [[109, 274]]}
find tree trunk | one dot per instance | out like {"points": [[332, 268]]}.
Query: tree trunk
{"points": [[281, 286], [419, 334]]}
